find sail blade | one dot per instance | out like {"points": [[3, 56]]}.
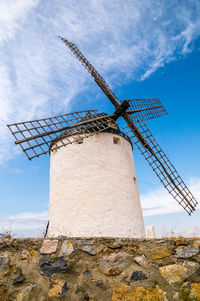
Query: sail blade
{"points": [[95, 74], [145, 109], [164, 169], [38, 137]]}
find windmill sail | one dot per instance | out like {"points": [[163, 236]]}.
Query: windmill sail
{"points": [[166, 172], [38, 137], [90, 68], [145, 109]]}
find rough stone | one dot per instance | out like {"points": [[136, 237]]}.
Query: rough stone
{"points": [[141, 260], [160, 253], [83, 242], [180, 243], [138, 276], [88, 249], [49, 246], [160, 241], [66, 249], [134, 248], [49, 268], [25, 254], [195, 290], [186, 252], [126, 293], [191, 265], [3, 261], [175, 273], [112, 243], [24, 295], [58, 288], [112, 263], [83, 275], [196, 243], [19, 279]]}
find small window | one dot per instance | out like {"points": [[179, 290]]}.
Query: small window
{"points": [[134, 180], [79, 141], [116, 140]]}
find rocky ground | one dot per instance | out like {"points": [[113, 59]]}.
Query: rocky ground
{"points": [[99, 269]]}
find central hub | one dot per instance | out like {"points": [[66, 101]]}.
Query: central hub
{"points": [[121, 109]]}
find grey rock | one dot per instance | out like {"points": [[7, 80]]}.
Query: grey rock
{"points": [[49, 268], [83, 242], [141, 260], [3, 261], [66, 249], [186, 252], [19, 279], [88, 249], [190, 265], [138, 276], [113, 264]]}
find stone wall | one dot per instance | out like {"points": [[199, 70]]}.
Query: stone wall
{"points": [[99, 269]]}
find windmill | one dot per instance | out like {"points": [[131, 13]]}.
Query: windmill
{"points": [[93, 185]]}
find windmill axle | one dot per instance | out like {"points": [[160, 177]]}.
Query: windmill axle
{"points": [[121, 109]]}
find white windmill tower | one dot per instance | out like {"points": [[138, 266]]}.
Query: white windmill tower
{"points": [[93, 186]]}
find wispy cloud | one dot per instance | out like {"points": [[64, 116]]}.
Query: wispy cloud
{"points": [[31, 223], [39, 76], [159, 201]]}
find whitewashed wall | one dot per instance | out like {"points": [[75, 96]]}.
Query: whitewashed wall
{"points": [[93, 189]]}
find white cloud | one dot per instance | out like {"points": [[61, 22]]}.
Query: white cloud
{"points": [[159, 201], [31, 223], [12, 15], [124, 40]]}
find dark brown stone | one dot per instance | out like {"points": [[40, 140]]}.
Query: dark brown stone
{"points": [[19, 279], [49, 268]]}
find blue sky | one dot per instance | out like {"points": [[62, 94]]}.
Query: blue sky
{"points": [[142, 48]]}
